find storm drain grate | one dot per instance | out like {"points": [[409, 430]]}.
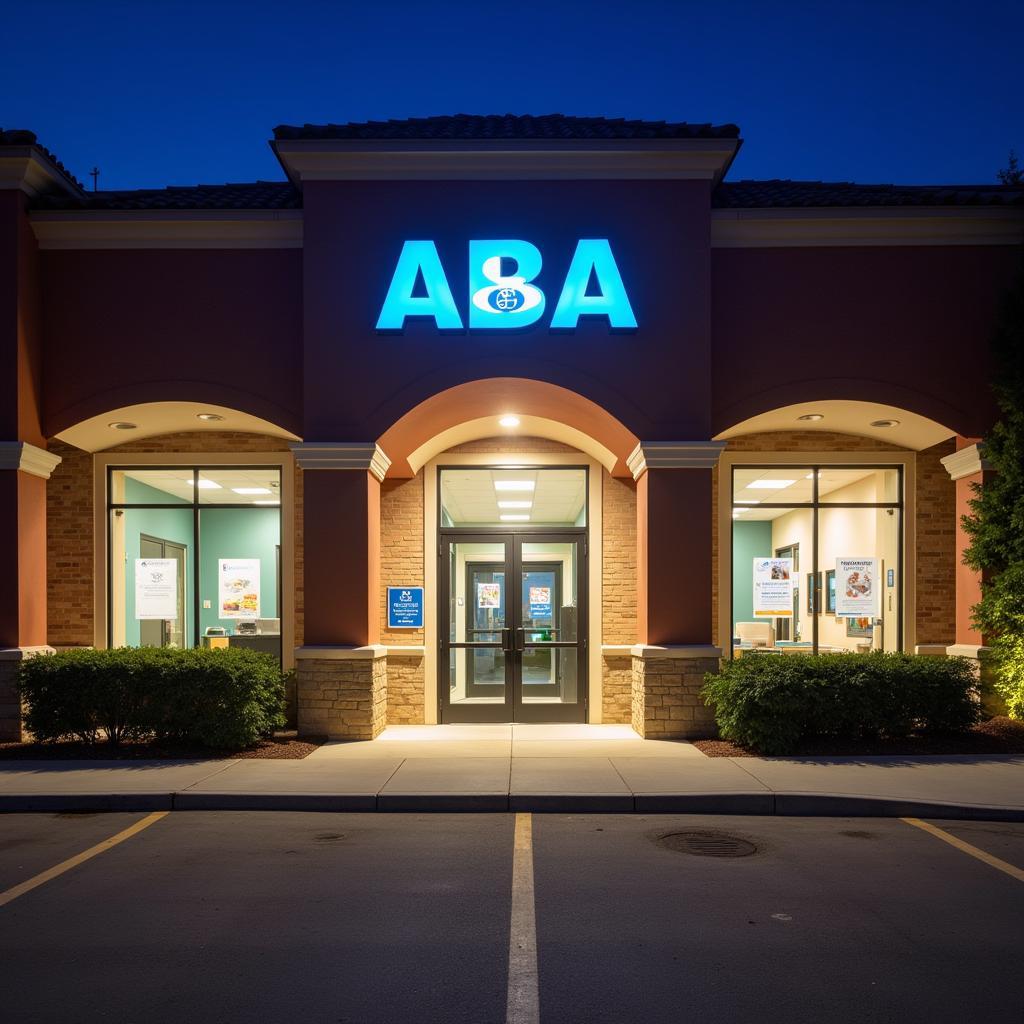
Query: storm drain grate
{"points": [[707, 844]]}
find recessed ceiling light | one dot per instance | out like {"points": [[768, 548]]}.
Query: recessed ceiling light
{"points": [[811, 417], [514, 519], [737, 512], [509, 421], [771, 485], [209, 417], [513, 485], [885, 423], [122, 425], [514, 504], [274, 501], [209, 485], [748, 501], [251, 490]]}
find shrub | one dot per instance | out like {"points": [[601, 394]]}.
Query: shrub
{"points": [[772, 703], [213, 698]]}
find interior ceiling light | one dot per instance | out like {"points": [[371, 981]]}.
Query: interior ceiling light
{"points": [[275, 501], [885, 423], [514, 504], [210, 485], [810, 476], [122, 425], [513, 485], [509, 421], [771, 485], [250, 490], [209, 417], [748, 501], [514, 519], [811, 417]]}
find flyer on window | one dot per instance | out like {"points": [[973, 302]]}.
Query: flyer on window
{"points": [[857, 587], [540, 602], [239, 590], [156, 588], [773, 588], [488, 595]]}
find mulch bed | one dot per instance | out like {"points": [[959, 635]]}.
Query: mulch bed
{"points": [[282, 746], [996, 736]]}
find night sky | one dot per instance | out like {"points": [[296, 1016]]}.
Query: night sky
{"points": [[161, 93]]}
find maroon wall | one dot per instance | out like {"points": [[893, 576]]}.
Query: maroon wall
{"points": [[358, 382], [203, 325], [902, 325]]}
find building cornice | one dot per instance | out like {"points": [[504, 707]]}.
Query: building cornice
{"points": [[674, 455], [168, 229], [340, 160], [28, 459], [30, 170], [858, 225], [352, 455], [966, 462]]}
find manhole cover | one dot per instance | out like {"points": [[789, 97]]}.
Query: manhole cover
{"points": [[707, 844]]}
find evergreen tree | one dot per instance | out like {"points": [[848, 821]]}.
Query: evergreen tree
{"points": [[996, 522]]}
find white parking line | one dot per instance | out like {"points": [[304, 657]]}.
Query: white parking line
{"points": [[523, 993]]}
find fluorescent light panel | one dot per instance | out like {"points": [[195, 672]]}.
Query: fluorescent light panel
{"points": [[251, 490], [514, 519], [770, 485]]}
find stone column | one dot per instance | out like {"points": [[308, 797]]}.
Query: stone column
{"points": [[341, 671], [966, 466], [674, 580], [24, 470]]}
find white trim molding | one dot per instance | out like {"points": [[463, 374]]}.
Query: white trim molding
{"points": [[975, 651], [655, 652], [328, 652], [966, 462], [845, 226], [674, 455], [364, 455], [28, 458]]}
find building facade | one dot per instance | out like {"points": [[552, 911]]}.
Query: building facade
{"points": [[479, 419]]}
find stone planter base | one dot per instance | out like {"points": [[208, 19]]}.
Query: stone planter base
{"points": [[342, 691], [666, 692], [10, 706]]}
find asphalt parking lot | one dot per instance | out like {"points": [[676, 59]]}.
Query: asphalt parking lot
{"points": [[234, 916]]}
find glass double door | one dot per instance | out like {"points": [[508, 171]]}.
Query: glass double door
{"points": [[513, 628]]}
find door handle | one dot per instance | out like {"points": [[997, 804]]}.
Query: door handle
{"points": [[506, 641], [520, 638]]}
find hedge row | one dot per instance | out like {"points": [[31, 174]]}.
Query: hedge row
{"points": [[772, 703], [224, 699]]}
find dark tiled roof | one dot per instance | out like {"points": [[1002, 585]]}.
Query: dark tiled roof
{"points": [[259, 195], [785, 193], [545, 127], [23, 137]]}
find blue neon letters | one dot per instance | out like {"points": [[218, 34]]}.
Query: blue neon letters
{"points": [[501, 293]]}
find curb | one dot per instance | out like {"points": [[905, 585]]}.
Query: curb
{"points": [[832, 805]]}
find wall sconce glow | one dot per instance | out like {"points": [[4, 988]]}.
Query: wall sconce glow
{"points": [[513, 485], [502, 295], [509, 421]]}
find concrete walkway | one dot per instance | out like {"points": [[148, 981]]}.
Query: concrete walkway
{"points": [[529, 768]]}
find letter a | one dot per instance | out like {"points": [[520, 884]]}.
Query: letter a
{"points": [[593, 256], [419, 258]]}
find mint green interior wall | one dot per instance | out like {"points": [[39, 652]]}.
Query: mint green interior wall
{"points": [[173, 524], [237, 533], [749, 541]]}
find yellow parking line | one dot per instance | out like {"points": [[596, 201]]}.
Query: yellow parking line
{"points": [[971, 851], [523, 1006], [19, 890]]}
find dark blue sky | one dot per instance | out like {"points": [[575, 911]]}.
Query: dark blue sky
{"points": [[162, 93]]}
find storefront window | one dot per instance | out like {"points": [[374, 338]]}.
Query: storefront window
{"points": [[195, 557], [816, 559]]}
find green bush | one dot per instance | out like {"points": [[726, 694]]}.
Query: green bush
{"points": [[212, 698], [772, 703]]}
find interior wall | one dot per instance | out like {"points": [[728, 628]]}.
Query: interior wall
{"points": [[749, 541]]}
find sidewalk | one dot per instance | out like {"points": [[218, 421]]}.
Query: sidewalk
{"points": [[573, 769]]}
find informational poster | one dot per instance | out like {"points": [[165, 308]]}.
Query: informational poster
{"points": [[540, 602], [773, 588], [156, 588], [239, 588], [405, 607], [488, 595], [857, 587]]}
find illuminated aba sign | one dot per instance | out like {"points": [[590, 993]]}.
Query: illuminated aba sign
{"points": [[501, 292]]}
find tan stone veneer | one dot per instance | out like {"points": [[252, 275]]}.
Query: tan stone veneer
{"points": [[10, 705], [666, 701], [342, 692]]}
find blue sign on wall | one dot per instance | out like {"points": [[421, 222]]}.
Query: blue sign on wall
{"points": [[405, 607]]}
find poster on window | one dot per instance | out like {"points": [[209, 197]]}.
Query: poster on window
{"points": [[773, 588], [540, 602], [857, 587], [239, 589], [156, 588], [488, 595]]}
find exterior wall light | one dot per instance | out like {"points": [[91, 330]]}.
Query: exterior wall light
{"points": [[209, 417], [885, 423], [122, 425], [509, 421], [811, 417]]}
